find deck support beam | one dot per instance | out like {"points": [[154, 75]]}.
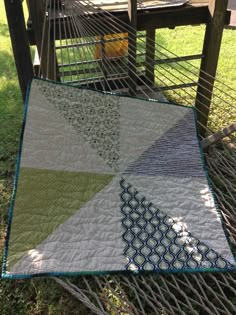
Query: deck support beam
{"points": [[132, 40], [150, 56], [45, 45], [211, 50], [20, 44]]}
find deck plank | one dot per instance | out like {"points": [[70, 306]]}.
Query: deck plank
{"points": [[194, 12]]}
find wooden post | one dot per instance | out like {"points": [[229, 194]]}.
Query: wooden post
{"points": [[211, 50], [20, 44], [132, 40], [150, 55], [219, 135], [103, 61], [45, 45]]}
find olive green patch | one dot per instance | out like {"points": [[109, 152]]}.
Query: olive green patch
{"points": [[44, 200]]}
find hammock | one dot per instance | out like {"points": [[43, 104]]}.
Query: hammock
{"points": [[74, 60]]}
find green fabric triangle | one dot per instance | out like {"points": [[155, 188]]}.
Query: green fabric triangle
{"points": [[44, 200]]}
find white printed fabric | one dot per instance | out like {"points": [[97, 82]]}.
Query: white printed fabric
{"points": [[108, 183]]}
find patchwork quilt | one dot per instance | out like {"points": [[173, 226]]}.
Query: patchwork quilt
{"points": [[108, 183]]}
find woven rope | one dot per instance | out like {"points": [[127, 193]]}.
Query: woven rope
{"points": [[212, 293], [152, 294]]}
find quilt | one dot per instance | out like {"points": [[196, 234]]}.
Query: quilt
{"points": [[108, 183]]}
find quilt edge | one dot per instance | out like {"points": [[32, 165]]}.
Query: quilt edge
{"points": [[210, 185], [15, 182], [115, 272], [6, 275]]}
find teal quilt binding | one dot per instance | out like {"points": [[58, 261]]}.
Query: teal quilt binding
{"points": [[142, 241]]}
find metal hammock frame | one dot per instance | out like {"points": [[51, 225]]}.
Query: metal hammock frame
{"points": [[66, 53]]}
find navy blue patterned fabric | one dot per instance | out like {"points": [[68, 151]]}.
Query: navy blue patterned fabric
{"points": [[176, 153], [155, 241]]}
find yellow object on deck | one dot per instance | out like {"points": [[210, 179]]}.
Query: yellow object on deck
{"points": [[116, 48]]}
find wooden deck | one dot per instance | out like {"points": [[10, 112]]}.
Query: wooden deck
{"points": [[150, 15], [122, 5], [232, 8]]}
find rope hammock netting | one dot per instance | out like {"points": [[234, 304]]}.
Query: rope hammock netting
{"points": [[84, 45]]}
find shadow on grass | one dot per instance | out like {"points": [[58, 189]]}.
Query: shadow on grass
{"points": [[11, 108], [7, 66], [4, 29], [37, 296]]}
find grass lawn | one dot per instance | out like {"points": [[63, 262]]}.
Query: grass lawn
{"points": [[44, 296]]}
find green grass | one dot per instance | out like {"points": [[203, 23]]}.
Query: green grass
{"points": [[10, 117], [189, 40], [43, 296]]}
